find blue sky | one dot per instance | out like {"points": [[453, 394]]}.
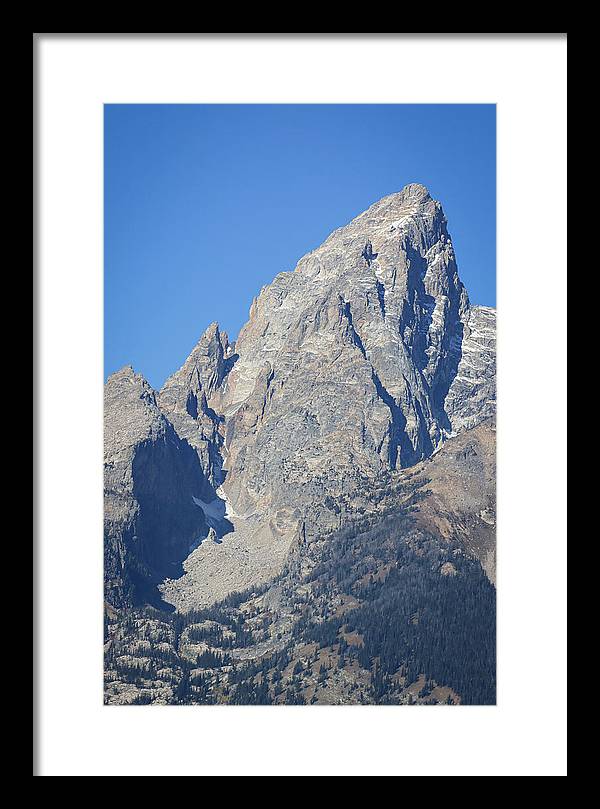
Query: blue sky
{"points": [[205, 204]]}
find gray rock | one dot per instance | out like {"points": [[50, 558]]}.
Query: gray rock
{"points": [[150, 477], [472, 395], [184, 400], [345, 364]]}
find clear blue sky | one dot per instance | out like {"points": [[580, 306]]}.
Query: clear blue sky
{"points": [[206, 204]]}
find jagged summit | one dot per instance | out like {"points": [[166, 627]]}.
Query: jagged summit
{"points": [[410, 198], [412, 210], [415, 191], [126, 372], [389, 281], [202, 370], [130, 409]]}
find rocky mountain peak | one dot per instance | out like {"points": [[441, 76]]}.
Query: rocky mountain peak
{"points": [[130, 409], [203, 370], [415, 191], [186, 396], [364, 338], [360, 362], [127, 376]]}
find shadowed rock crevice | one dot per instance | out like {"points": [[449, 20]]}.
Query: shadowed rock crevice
{"points": [[399, 446], [368, 254], [166, 474], [354, 336], [453, 356], [381, 297]]}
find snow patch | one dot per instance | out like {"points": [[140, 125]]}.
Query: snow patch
{"points": [[398, 223], [214, 511]]}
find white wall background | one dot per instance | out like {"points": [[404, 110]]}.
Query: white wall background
{"points": [[525, 733]]}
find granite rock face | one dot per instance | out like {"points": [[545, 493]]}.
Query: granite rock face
{"points": [[150, 478], [345, 364]]}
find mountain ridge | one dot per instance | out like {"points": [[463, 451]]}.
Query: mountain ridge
{"points": [[363, 360]]}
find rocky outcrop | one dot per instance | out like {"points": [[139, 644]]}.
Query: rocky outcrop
{"points": [[472, 395], [185, 395], [345, 364], [458, 493], [150, 478]]}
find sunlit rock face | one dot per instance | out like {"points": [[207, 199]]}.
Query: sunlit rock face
{"points": [[345, 364], [472, 395]]}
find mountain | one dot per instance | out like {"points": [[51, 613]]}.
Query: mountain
{"points": [[345, 363], [361, 390]]}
